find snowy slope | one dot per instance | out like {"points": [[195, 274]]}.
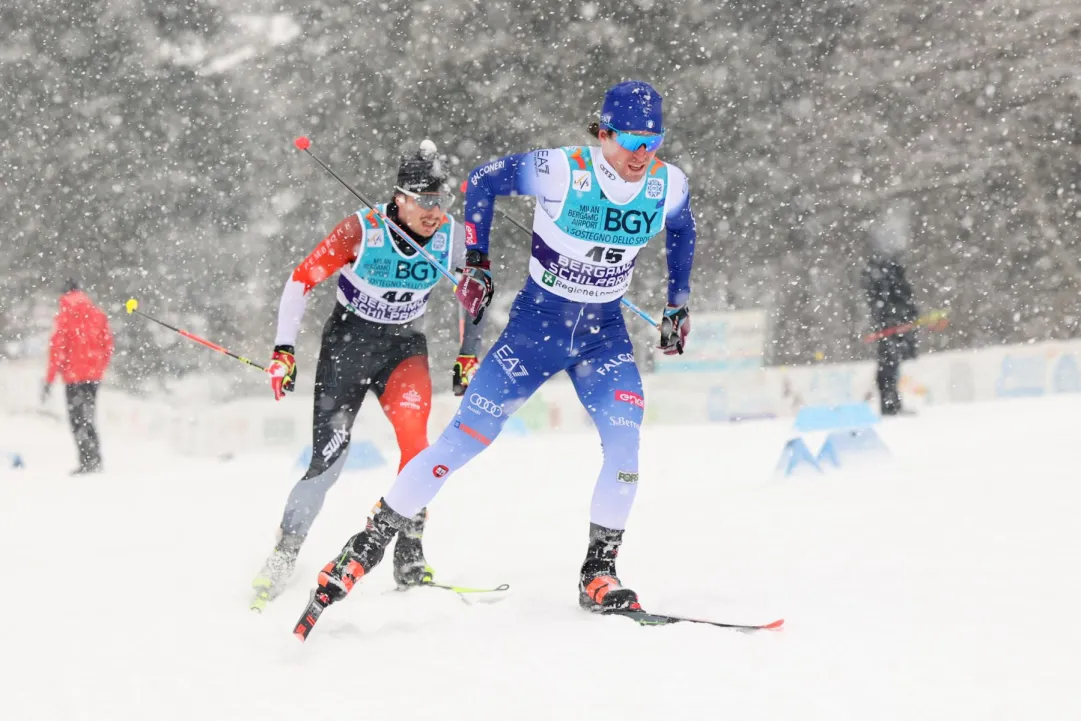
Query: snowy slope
{"points": [[941, 587]]}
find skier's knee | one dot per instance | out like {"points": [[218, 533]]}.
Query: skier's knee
{"points": [[468, 439], [620, 442]]}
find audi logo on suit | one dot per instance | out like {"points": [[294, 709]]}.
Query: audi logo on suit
{"points": [[489, 407]]}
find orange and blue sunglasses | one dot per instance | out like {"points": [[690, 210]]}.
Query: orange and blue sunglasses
{"points": [[632, 142]]}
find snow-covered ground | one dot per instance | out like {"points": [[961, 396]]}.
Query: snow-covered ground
{"points": [[942, 586]]}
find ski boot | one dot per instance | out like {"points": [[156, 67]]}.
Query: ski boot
{"points": [[599, 588], [275, 574], [410, 568], [361, 554]]}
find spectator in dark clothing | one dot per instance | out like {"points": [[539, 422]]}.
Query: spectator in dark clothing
{"points": [[890, 298], [79, 351]]}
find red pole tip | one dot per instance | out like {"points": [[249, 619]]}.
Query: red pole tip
{"points": [[464, 182], [302, 143]]}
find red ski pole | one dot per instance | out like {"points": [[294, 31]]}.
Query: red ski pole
{"points": [[936, 320], [132, 306]]}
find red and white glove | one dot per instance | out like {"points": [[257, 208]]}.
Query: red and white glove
{"points": [[282, 370], [475, 288], [464, 368], [675, 327]]}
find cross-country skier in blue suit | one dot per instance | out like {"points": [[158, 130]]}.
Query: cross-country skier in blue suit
{"points": [[596, 208]]}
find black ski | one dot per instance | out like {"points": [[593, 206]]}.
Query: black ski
{"points": [[316, 605], [319, 601], [644, 618]]}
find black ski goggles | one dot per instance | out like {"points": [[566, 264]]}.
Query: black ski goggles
{"points": [[428, 201]]}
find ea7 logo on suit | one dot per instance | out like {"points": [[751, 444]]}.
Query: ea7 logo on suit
{"points": [[540, 162], [510, 363]]}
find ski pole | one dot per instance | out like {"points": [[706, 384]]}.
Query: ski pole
{"points": [[132, 306], [631, 306], [303, 144], [934, 318]]}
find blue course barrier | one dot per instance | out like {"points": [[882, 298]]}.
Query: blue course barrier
{"points": [[850, 435], [796, 455], [849, 444], [831, 418], [15, 459]]}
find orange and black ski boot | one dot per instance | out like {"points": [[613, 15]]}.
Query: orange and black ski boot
{"points": [[361, 554], [599, 588]]}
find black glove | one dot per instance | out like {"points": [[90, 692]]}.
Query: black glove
{"points": [[675, 326], [475, 289]]}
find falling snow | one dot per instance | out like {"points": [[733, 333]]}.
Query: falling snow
{"points": [[147, 151]]}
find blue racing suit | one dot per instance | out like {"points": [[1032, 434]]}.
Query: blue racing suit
{"points": [[588, 227]]}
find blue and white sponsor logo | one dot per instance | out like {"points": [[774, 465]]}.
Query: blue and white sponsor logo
{"points": [[540, 162], [613, 363], [486, 405], [654, 188], [485, 170], [509, 362]]}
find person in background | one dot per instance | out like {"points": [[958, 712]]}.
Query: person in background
{"points": [[890, 297], [80, 349]]}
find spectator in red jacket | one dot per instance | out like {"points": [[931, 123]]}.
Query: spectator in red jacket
{"points": [[79, 350]]}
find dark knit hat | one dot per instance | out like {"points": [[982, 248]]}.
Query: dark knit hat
{"points": [[423, 171]]}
